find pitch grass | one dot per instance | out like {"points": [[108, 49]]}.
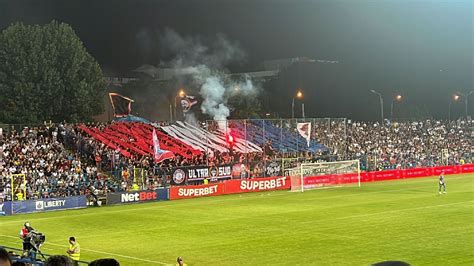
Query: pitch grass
{"points": [[394, 220]]}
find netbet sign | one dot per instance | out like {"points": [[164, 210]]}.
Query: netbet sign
{"points": [[138, 196]]}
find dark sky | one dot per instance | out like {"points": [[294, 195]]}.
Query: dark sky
{"points": [[420, 48]]}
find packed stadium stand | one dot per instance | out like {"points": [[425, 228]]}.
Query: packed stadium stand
{"points": [[65, 159]]}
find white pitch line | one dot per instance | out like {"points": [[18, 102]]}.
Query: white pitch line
{"points": [[390, 211], [103, 252]]}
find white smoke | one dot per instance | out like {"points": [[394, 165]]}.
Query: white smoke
{"points": [[213, 92], [190, 118], [206, 65]]}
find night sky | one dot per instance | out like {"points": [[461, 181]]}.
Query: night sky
{"points": [[422, 49]]}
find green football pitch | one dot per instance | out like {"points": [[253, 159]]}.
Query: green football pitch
{"points": [[394, 220]]}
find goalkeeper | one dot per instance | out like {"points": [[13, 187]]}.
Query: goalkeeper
{"points": [[442, 184]]}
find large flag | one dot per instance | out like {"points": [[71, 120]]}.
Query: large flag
{"points": [[305, 131], [187, 102], [122, 105], [159, 154]]}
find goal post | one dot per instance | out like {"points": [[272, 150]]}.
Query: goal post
{"points": [[324, 174]]}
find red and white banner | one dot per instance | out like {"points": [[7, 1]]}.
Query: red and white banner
{"points": [[305, 131], [185, 192]]}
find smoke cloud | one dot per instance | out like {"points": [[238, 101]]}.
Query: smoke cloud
{"points": [[204, 67]]}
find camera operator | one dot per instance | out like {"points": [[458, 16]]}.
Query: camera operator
{"points": [[26, 238]]}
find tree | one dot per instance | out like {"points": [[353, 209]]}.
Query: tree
{"points": [[47, 74]]}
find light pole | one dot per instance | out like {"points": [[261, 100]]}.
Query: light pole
{"points": [[466, 101], [396, 98], [181, 94], [299, 95], [381, 102], [454, 99]]}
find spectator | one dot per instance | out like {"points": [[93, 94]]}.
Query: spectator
{"points": [[104, 262], [5, 258], [59, 260]]}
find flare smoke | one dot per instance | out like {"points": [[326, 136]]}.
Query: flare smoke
{"points": [[206, 65]]}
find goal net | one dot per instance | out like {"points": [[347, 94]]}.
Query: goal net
{"points": [[324, 174]]}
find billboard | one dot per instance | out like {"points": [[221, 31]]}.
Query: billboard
{"points": [[5, 208], [137, 196], [185, 192], [50, 204], [257, 184], [197, 173]]}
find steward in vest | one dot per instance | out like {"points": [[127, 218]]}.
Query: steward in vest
{"points": [[74, 251], [135, 187], [19, 195]]}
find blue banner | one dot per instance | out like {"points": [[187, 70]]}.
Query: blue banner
{"points": [[5, 208], [51, 204]]}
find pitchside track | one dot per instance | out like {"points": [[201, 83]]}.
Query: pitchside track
{"points": [[393, 220]]}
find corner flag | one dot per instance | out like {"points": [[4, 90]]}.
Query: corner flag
{"points": [[159, 154]]}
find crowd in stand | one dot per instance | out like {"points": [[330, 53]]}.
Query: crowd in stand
{"points": [[61, 160], [42, 167], [401, 144]]}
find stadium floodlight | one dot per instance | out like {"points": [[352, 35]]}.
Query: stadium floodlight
{"points": [[455, 98], [299, 95], [323, 174], [381, 102], [466, 101], [397, 98]]}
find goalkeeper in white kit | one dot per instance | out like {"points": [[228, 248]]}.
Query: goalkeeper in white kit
{"points": [[442, 184]]}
